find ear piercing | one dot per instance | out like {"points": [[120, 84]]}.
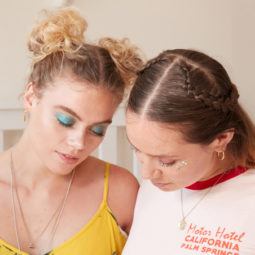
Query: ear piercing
{"points": [[221, 155]]}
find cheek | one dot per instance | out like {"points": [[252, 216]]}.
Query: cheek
{"points": [[203, 161], [41, 119], [44, 127], [92, 143], [196, 168]]}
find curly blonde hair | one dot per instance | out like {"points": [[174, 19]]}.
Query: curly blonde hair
{"points": [[57, 43]]}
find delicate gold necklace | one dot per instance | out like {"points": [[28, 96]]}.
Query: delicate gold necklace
{"points": [[182, 224], [58, 212]]}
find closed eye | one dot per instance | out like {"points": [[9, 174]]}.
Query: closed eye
{"points": [[166, 164], [64, 119], [98, 130]]}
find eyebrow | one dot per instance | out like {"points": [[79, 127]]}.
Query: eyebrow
{"points": [[66, 109], [156, 156]]}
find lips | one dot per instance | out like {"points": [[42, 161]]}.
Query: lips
{"points": [[67, 158]]}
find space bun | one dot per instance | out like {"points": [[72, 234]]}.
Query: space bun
{"points": [[127, 57], [59, 30]]}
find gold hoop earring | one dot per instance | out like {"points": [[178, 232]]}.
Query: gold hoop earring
{"points": [[221, 155]]}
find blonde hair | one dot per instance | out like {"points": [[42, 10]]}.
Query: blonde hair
{"points": [[57, 43]]}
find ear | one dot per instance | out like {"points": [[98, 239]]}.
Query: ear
{"points": [[221, 142], [30, 97]]}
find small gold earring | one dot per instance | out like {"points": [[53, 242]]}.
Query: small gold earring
{"points": [[221, 155]]}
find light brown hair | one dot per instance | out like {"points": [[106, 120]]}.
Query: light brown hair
{"points": [[193, 91]]}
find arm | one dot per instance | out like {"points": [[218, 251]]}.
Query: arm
{"points": [[123, 188]]}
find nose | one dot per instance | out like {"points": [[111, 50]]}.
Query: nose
{"points": [[150, 173], [148, 170], [76, 140]]}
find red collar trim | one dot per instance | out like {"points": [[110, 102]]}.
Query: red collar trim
{"points": [[210, 182]]}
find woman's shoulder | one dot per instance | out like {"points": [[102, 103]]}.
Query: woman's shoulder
{"points": [[122, 187], [250, 172], [245, 178], [122, 192], [123, 177], [118, 176]]}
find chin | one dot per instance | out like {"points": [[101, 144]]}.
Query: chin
{"points": [[59, 169], [63, 173], [166, 186]]}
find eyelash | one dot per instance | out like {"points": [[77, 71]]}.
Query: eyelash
{"points": [[72, 122], [97, 134], [162, 164], [61, 122]]}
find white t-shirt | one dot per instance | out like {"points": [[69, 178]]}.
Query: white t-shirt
{"points": [[223, 223]]}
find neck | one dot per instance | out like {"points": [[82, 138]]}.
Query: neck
{"points": [[220, 167]]}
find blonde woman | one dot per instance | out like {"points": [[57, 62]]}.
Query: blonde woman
{"points": [[55, 197]]}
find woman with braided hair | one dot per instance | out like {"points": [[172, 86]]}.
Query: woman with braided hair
{"points": [[55, 197], [196, 146]]}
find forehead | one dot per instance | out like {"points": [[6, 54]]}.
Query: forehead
{"points": [[87, 100], [69, 84], [153, 137]]}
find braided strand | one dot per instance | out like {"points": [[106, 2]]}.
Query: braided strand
{"points": [[213, 98]]}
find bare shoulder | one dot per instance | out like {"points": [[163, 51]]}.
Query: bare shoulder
{"points": [[123, 188], [123, 178], [119, 178], [122, 191], [122, 184]]}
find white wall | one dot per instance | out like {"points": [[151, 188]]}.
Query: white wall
{"points": [[243, 40], [16, 20]]}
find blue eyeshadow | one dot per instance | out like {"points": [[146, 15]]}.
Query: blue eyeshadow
{"points": [[64, 119]]}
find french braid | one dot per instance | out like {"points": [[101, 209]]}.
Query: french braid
{"points": [[212, 98]]}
